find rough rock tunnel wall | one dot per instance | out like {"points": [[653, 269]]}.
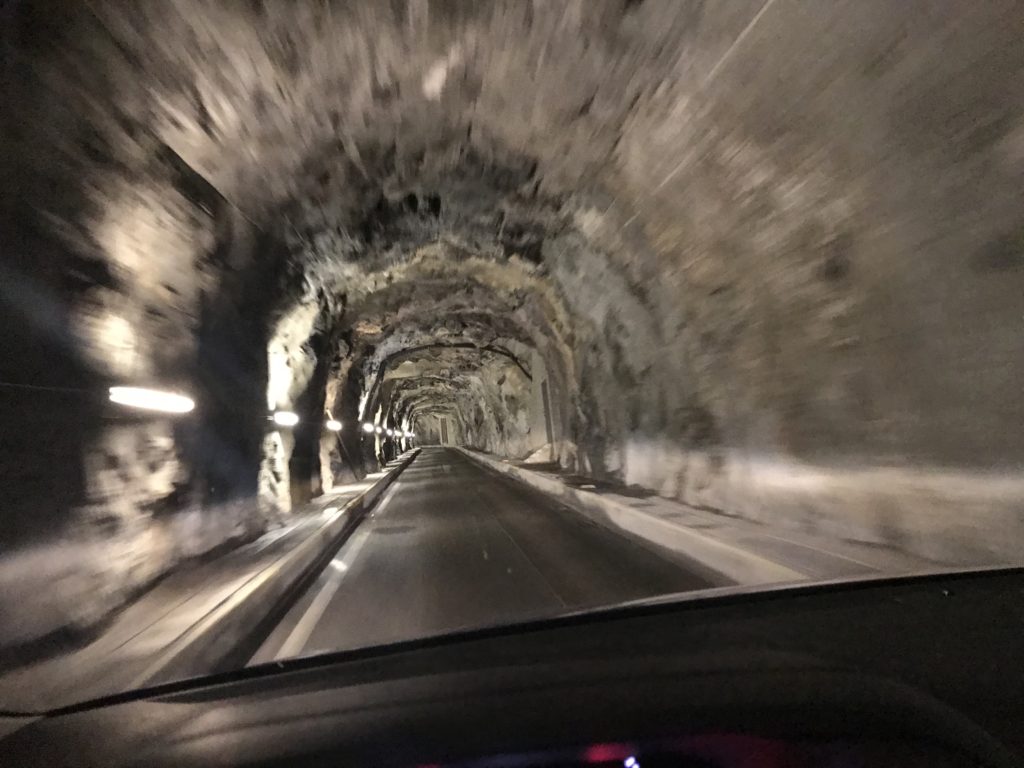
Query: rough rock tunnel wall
{"points": [[764, 257]]}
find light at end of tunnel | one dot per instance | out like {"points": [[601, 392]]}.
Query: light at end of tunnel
{"points": [[151, 399], [333, 424], [285, 418], [379, 430], [367, 427]]}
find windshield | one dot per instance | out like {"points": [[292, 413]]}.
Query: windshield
{"points": [[329, 325]]}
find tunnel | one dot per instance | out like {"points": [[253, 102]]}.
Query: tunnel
{"points": [[761, 258]]}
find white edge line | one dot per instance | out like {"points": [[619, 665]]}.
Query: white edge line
{"points": [[299, 636]]}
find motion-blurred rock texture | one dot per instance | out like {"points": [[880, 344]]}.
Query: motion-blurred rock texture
{"points": [[762, 256]]}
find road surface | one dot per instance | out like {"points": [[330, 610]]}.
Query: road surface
{"points": [[451, 546]]}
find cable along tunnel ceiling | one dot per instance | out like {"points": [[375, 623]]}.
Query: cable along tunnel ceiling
{"points": [[740, 250]]}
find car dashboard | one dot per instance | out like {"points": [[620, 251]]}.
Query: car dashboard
{"points": [[728, 750], [901, 672]]}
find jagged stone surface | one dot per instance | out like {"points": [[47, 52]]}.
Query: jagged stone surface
{"points": [[743, 247]]}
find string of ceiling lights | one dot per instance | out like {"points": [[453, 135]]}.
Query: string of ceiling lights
{"points": [[290, 419], [162, 401]]}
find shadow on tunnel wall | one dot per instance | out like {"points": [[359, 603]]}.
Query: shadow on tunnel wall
{"points": [[53, 407]]}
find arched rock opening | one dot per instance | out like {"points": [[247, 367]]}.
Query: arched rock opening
{"points": [[767, 263]]}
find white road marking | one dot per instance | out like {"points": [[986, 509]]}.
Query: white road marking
{"points": [[338, 567], [526, 557], [822, 551]]}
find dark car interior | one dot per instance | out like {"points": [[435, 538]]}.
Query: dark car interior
{"points": [[917, 671]]}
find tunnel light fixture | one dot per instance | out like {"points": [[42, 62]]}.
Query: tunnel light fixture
{"points": [[333, 424], [285, 418], [390, 432], [368, 428], [379, 430], [151, 399]]}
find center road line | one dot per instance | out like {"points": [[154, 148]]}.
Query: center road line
{"points": [[299, 636], [544, 579]]}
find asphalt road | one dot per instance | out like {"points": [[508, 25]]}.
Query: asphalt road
{"points": [[451, 546]]}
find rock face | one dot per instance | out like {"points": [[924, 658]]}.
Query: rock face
{"points": [[764, 257]]}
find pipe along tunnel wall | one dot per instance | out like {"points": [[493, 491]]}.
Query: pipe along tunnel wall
{"points": [[764, 258]]}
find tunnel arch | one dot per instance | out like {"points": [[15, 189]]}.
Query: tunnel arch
{"points": [[441, 301], [756, 249]]}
